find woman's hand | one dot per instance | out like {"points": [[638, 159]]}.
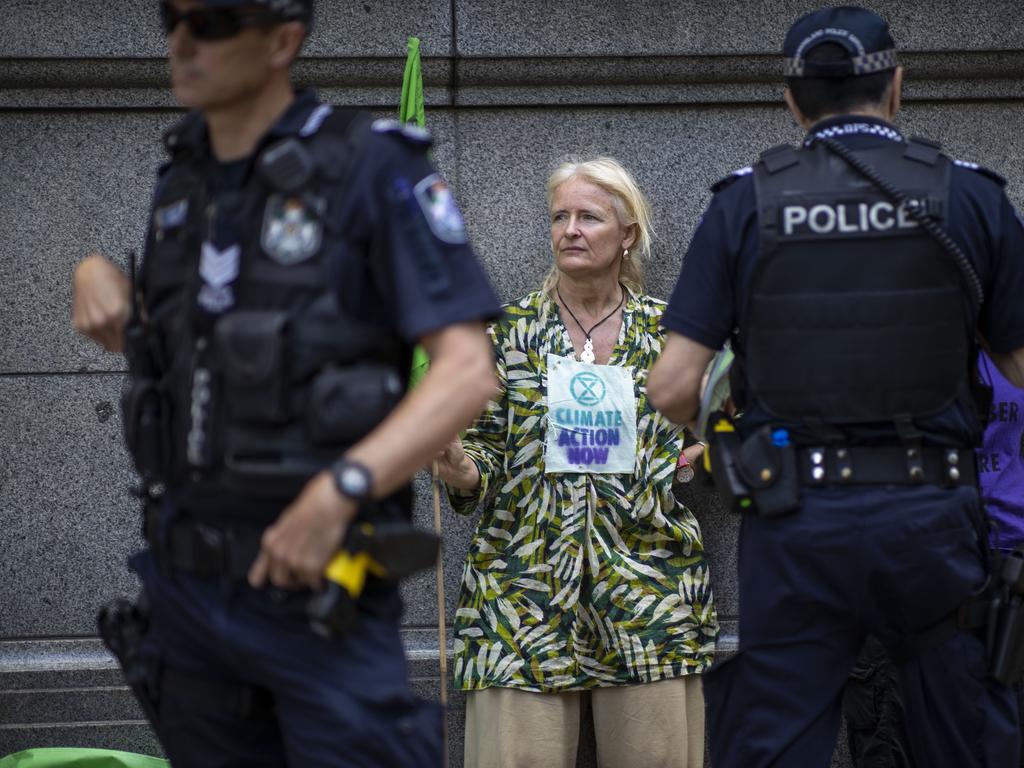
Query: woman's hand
{"points": [[456, 468], [693, 452]]}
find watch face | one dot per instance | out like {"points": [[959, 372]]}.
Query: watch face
{"points": [[353, 481]]}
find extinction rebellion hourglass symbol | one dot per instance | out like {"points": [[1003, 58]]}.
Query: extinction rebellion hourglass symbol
{"points": [[587, 389]]}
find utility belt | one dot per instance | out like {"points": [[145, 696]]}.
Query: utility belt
{"points": [[764, 472], [214, 552], [388, 551], [887, 465]]}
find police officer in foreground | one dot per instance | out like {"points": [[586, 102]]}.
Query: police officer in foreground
{"points": [[295, 254], [853, 275]]}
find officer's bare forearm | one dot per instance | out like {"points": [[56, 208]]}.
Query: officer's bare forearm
{"points": [[1011, 365], [673, 384], [455, 389]]}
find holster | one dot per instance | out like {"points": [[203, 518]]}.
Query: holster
{"points": [[389, 551], [1005, 629], [122, 625]]}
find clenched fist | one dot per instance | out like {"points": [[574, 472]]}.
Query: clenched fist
{"points": [[100, 301]]}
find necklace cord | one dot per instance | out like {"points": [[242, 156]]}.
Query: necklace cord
{"points": [[622, 300]]}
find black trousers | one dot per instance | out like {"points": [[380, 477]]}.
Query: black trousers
{"points": [[886, 561], [875, 712]]}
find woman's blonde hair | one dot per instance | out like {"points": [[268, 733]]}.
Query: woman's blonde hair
{"points": [[630, 204]]}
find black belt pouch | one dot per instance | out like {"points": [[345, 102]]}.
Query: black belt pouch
{"points": [[251, 349], [770, 472]]}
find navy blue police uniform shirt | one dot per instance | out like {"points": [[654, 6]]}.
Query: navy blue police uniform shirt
{"points": [[406, 214], [709, 299], [406, 266], [397, 209]]}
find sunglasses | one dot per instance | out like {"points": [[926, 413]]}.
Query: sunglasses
{"points": [[214, 23]]}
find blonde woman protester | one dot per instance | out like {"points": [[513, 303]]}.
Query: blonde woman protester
{"points": [[586, 578]]}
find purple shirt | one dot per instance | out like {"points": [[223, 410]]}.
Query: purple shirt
{"points": [[1001, 457]]}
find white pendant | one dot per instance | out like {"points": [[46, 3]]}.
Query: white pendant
{"points": [[587, 355]]}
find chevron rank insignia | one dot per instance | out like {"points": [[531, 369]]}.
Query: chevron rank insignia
{"points": [[218, 269]]}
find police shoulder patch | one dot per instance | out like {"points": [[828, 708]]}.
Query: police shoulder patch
{"points": [[739, 173], [411, 133], [440, 209], [997, 178]]}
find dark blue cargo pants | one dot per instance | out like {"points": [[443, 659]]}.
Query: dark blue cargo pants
{"points": [[890, 561], [341, 703]]}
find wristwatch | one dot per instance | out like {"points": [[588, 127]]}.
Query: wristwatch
{"points": [[352, 479]]}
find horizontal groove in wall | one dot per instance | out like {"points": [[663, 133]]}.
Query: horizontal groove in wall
{"points": [[546, 81]]}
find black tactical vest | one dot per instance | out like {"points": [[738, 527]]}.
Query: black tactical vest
{"points": [[855, 315], [255, 399]]}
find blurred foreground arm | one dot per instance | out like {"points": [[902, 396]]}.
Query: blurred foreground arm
{"points": [[100, 301], [456, 387]]}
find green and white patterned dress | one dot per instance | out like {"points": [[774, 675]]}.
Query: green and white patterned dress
{"points": [[577, 580]]}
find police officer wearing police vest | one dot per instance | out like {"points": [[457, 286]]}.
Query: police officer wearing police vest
{"points": [[295, 254], [852, 274]]}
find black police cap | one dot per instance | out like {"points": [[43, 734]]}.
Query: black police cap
{"points": [[286, 10], [863, 34]]}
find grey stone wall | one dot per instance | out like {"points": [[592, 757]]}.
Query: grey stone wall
{"points": [[682, 92]]}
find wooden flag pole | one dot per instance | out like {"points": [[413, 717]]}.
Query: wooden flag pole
{"points": [[442, 639]]}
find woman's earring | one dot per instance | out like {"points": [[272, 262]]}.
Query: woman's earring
{"points": [[625, 253]]}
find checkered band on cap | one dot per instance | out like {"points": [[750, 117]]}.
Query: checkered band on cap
{"points": [[792, 67], [879, 61], [867, 64]]}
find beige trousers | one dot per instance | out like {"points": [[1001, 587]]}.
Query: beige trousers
{"points": [[653, 725]]}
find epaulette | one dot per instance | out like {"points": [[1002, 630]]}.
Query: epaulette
{"points": [[739, 173], [1000, 180], [411, 133], [779, 158]]}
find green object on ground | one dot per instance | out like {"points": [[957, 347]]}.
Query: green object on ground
{"points": [[411, 110], [79, 758]]}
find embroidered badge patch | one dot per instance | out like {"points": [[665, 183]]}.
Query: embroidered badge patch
{"points": [[440, 210], [218, 269], [171, 216], [291, 228]]}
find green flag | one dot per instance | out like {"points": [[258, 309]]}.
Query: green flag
{"points": [[411, 110]]}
